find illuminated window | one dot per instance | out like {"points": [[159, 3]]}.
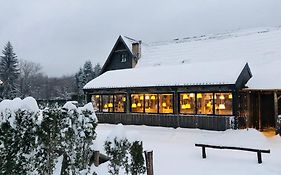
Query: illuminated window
{"points": [[96, 102], [204, 103], [107, 103], [223, 103], [187, 103], [137, 102], [151, 103], [165, 103], [119, 103]]}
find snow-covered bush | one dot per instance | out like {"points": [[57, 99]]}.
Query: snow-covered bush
{"points": [[18, 135], [126, 154], [31, 140]]}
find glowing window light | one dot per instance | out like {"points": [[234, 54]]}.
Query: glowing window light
{"points": [[191, 95], [147, 97], [199, 95], [188, 106], [222, 106], [110, 105], [139, 104], [222, 97], [153, 97], [124, 99], [230, 96], [141, 97], [97, 96], [105, 106], [164, 104], [209, 104], [134, 105], [185, 96]]}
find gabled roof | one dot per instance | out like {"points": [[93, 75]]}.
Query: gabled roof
{"points": [[260, 47], [126, 41], [214, 73]]}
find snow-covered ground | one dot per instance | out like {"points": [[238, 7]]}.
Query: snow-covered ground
{"points": [[175, 153]]}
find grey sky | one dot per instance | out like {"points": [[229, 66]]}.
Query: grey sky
{"points": [[62, 34]]}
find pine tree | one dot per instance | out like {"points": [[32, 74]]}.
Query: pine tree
{"points": [[88, 72], [137, 160], [9, 72], [97, 70]]}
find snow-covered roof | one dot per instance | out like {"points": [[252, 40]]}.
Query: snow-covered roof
{"points": [[260, 47], [128, 41], [211, 73]]}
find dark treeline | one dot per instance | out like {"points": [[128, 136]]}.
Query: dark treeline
{"points": [[22, 78]]}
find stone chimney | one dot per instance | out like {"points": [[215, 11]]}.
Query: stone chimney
{"points": [[136, 49]]}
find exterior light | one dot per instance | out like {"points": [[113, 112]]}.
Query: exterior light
{"points": [[222, 97], [141, 97], [153, 97], [164, 104], [110, 105], [147, 97], [230, 96], [139, 104], [191, 95], [124, 99], [222, 106], [185, 96], [199, 95]]}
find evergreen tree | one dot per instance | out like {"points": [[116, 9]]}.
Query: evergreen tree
{"points": [[9, 72], [97, 70], [88, 70], [84, 75], [137, 160]]}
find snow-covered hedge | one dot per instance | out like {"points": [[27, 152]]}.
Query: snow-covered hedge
{"points": [[32, 140], [125, 151]]}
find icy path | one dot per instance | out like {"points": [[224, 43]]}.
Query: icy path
{"points": [[175, 153]]}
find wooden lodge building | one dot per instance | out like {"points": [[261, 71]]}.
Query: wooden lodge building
{"points": [[212, 82]]}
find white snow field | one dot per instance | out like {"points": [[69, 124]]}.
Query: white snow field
{"points": [[175, 153]]}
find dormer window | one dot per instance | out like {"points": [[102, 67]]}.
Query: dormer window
{"points": [[123, 58]]}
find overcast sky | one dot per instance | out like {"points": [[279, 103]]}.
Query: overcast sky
{"points": [[62, 34]]}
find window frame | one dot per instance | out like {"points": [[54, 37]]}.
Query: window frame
{"points": [[213, 101], [124, 104]]}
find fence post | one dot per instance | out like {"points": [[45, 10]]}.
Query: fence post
{"points": [[259, 157], [149, 162], [96, 158], [203, 152]]}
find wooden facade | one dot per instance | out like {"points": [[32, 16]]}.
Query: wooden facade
{"points": [[250, 108], [259, 108], [176, 119]]}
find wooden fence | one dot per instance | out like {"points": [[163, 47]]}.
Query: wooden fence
{"points": [[219, 123]]}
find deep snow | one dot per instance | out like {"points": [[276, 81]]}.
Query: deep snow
{"points": [[175, 153]]}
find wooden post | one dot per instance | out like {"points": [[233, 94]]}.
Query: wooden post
{"points": [[259, 106], [275, 108], [96, 158], [149, 162], [259, 157], [204, 152], [248, 113]]}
